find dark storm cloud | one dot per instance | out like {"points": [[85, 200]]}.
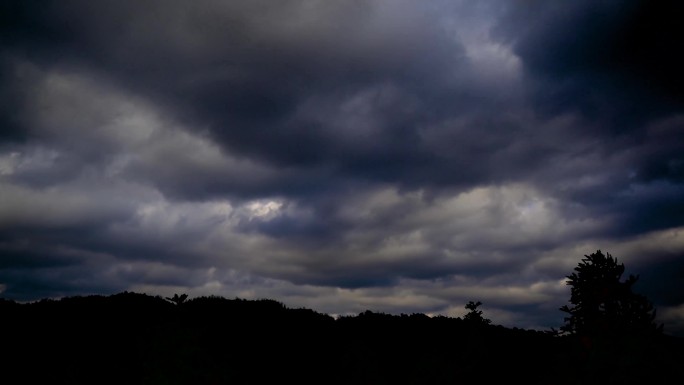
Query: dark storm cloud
{"points": [[300, 85], [238, 66], [10, 97], [243, 70], [616, 61], [662, 279], [615, 65], [270, 82], [24, 257]]}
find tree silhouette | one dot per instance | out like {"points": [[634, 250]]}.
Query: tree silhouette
{"points": [[178, 299], [604, 305], [475, 316]]}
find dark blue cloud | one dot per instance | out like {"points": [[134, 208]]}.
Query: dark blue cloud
{"points": [[613, 61]]}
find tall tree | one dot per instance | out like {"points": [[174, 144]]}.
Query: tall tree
{"points": [[602, 304], [177, 299], [474, 316]]}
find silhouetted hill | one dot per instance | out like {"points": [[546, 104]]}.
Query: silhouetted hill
{"points": [[131, 338]]}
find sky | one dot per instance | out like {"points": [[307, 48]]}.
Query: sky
{"points": [[387, 155]]}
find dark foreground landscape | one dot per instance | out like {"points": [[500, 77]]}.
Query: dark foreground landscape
{"points": [[132, 338]]}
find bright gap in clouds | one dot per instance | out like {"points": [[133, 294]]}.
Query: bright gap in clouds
{"points": [[263, 209]]}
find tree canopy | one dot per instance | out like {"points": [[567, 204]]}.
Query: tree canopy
{"points": [[474, 316], [602, 304]]}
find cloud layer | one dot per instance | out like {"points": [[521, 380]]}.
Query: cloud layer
{"points": [[397, 156]]}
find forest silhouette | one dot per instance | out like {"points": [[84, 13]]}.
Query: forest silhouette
{"points": [[609, 337]]}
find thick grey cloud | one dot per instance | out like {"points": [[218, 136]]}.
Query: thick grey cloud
{"points": [[393, 155]]}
